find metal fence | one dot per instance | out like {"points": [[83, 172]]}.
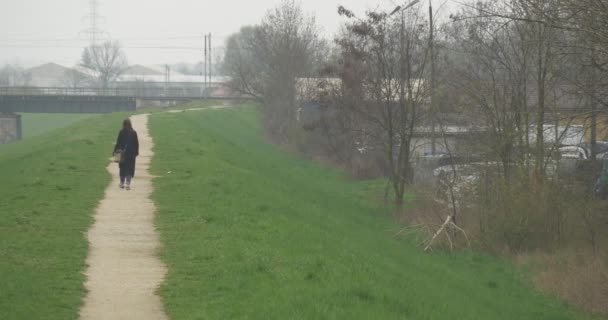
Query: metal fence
{"points": [[143, 92]]}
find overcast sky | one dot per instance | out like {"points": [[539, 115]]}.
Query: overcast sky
{"points": [[40, 31]]}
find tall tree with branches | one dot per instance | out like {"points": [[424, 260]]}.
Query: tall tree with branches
{"points": [[107, 60], [391, 52]]}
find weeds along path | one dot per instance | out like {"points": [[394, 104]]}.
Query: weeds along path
{"points": [[123, 270]]}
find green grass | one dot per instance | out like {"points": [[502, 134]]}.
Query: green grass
{"points": [[249, 232], [49, 187], [35, 124]]}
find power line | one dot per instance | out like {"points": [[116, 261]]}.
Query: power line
{"points": [[80, 39], [40, 38], [80, 47]]}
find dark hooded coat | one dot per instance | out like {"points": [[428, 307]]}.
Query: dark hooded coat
{"points": [[128, 142]]}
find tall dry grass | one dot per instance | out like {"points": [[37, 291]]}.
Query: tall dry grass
{"points": [[560, 229], [577, 276]]}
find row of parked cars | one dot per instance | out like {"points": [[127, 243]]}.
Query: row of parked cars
{"points": [[567, 161], [583, 151]]}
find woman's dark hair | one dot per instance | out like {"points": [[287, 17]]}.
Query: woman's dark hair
{"points": [[126, 124]]}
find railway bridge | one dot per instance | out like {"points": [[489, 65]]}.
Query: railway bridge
{"points": [[91, 100], [15, 100]]}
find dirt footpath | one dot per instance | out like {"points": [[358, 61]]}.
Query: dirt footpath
{"points": [[123, 270]]}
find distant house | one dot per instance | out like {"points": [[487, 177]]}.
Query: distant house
{"points": [[141, 71], [146, 78], [55, 75], [160, 75], [312, 89], [152, 81]]}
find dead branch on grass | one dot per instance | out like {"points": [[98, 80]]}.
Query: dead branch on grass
{"points": [[445, 228]]}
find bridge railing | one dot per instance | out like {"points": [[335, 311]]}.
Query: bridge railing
{"points": [[147, 92]]}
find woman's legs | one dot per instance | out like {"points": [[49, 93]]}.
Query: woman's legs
{"points": [[122, 174], [129, 171]]}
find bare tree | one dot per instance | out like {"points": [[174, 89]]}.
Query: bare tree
{"points": [[284, 45], [265, 61], [517, 71], [512, 71], [107, 60], [14, 76], [75, 79], [390, 54], [242, 65], [583, 24]]}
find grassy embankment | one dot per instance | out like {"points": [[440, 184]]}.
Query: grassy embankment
{"points": [[49, 187], [250, 232], [35, 124]]}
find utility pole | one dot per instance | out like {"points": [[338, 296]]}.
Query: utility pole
{"points": [[205, 67], [432, 52], [167, 78], [210, 62]]}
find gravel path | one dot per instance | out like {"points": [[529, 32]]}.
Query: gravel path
{"points": [[123, 270]]}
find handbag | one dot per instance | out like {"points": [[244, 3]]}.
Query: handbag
{"points": [[117, 156]]}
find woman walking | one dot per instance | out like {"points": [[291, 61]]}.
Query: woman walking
{"points": [[127, 145]]}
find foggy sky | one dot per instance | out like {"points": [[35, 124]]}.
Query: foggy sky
{"points": [[39, 31]]}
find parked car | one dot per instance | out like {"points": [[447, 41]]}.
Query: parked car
{"points": [[573, 152], [602, 150]]}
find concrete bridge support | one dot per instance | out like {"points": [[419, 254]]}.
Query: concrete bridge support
{"points": [[10, 127]]}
